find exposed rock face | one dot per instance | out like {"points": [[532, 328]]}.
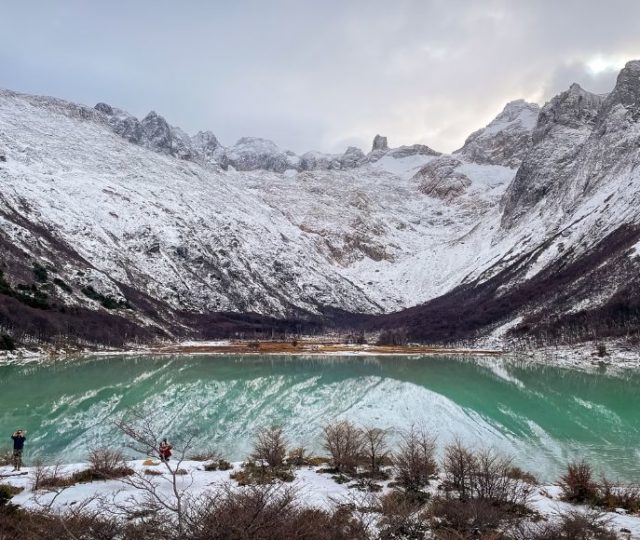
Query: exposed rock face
{"points": [[626, 92], [439, 178], [206, 145], [564, 126], [506, 140], [153, 131], [252, 153], [379, 143], [380, 148], [413, 150], [311, 161], [351, 158], [159, 135]]}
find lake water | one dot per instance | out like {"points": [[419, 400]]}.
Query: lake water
{"points": [[543, 416]]}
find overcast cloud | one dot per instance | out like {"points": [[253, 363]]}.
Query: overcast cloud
{"points": [[317, 75]]}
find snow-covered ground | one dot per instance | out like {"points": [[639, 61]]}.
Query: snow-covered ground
{"points": [[315, 489]]}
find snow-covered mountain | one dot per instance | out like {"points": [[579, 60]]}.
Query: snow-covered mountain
{"points": [[135, 224]]}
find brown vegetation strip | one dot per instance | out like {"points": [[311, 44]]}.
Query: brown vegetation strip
{"points": [[287, 347]]}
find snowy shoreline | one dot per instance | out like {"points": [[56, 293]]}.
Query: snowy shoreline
{"points": [[581, 356], [315, 489]]}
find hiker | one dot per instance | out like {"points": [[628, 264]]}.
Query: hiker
{"points": [[18, 444], [165, 450]]}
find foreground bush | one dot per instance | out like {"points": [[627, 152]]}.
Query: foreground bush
{"points": [[577, 483], [270, 446], [611, 497], [344, 443], [270, 512], [414, 463], [107, 463], [570, 526]]}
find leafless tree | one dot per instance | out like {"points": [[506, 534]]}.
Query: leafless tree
{"points": [[459, 465], [144, 438], [343, 441], [374, 448], [414, 463], [492, 481], [270, 446]]}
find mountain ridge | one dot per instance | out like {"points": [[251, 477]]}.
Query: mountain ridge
{"points": [[180, 228]]}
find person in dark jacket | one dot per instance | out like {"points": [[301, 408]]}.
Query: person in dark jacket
{"points": [[18, 445]]}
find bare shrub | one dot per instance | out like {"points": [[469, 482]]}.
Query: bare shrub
{"points": [[7, 491], [6, 457], [270, 446], [570, 526], [491, 480], [298, 457], [577, 483], [401, 517], [251, 474], [266, 512], [459, 464], [73, 523], [611, 496], [414, 462], [343, 441], [375, 451], [49, 477], [472, 518], [525, 476], [205, 455], [107, 463]]}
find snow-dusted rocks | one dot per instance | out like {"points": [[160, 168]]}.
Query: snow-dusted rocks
{"points": [[311, 161], [252, 153], [208, 148], [153, 132], [380, 149], [506, 140], [442, 178], [564, 126]]}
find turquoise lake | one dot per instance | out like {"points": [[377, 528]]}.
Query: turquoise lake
{"points": [[542, 416]]}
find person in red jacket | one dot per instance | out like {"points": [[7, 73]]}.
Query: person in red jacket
{"points": [[165, 450]]}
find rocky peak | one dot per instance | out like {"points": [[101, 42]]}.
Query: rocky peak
{"points": [[506, 139], [379, 143], [573, 108], [564, 127], [104, 108], [157, 130], [626, 91], [251, 153], [205, 142]]}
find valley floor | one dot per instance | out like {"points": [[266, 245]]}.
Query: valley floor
{"points": [[614, 355]]}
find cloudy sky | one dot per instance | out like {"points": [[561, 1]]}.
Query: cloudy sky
{"points": [[317, 74]]}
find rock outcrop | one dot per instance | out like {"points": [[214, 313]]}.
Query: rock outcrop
{"points": [[506, 140], [441, 179]]}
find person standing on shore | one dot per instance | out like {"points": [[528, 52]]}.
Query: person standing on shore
{"points": [[18, 445]]}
